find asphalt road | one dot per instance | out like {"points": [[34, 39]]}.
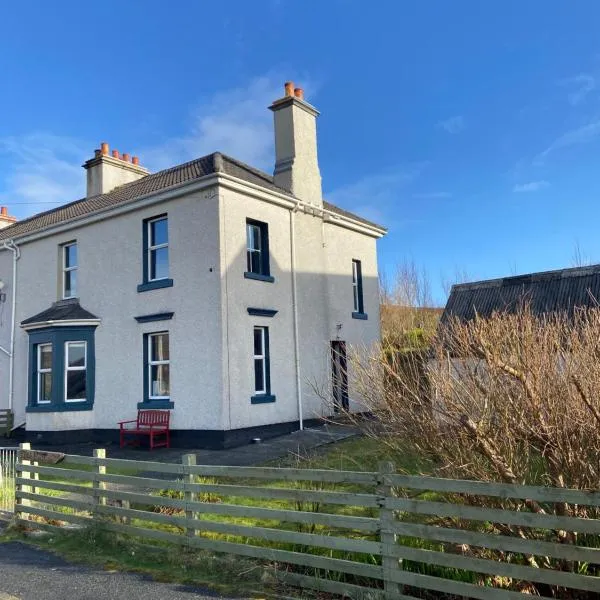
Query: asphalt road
{"points": [[27, 573]]}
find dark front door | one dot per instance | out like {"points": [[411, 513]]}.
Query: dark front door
{"points": [[339, 375]]}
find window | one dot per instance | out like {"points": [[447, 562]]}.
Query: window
{"points": [[69, 270], [62, 369], [257, 251], [75, 371], [156, 254], [158, 366], [357, 291], [158, 249], [262, 369], [44, 373]]}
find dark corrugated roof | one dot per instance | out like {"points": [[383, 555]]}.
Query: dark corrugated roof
{"points": [[157, 182], [63, 310], [546, 292]]}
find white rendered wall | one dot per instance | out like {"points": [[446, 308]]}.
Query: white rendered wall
{"points": [[110, 268]]}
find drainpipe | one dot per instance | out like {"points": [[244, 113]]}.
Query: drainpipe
{"points": [[295, 313], [10, 245]]}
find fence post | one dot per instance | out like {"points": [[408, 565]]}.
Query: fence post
{"points": [[36, 477], [189, 460], [387, 535], [21, 502], [98, 485]]}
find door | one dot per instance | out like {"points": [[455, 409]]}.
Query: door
{"points": [[339, 375]]}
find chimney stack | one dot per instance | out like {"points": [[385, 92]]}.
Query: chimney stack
{"points": [[5, 218], [296, 162], [106, 172]]}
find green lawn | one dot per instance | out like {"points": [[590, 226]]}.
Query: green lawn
{"points": [[353, 454]]}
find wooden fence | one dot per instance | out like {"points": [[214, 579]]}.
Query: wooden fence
{"points": [[8, 462], [367, 535]]}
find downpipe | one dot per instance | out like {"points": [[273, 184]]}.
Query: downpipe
{"points": [[10, 245]]}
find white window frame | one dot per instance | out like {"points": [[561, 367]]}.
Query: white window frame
{"points": [[41, 371], [355, 288], [152, 363], [69, 369], [258, 234], [151, 248], [66, 269], [262, 357]]}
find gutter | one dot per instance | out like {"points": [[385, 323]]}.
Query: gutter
{"points": [[197, 185], [10, 245], [295, 316]]}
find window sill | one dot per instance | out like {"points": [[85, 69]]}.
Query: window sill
{"points": [[155, 285], [259, 277], [63, 407], [360, 315], [158, 404], [262, 399]]}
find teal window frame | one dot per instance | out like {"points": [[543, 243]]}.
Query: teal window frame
{"points": [[357, 291], [147, 401], [147, 283], [58, 337], [263, 396], [264, 272]]}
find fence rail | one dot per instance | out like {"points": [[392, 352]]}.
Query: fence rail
{"points": [[380, 532]]}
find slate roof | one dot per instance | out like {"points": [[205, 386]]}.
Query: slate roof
{"points": [[63, 310], [546, 292], [156, 182]]}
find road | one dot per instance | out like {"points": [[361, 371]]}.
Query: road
{"points": [[27, 573]]}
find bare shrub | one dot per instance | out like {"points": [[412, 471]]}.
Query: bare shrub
{"points": [[513, 398]]}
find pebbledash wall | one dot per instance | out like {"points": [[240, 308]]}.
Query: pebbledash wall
{"points": [[211, 330], [110, 269]]}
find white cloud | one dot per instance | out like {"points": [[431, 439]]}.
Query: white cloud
{"points": [[375, 196], [234, 121], [432, 195], [532, 186], [43, 170], [581, 135], [580, 85], [453, 124]]}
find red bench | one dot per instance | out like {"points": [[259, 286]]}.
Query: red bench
{"points": [[153, 423]]}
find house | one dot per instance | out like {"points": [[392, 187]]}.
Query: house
{"points": [[546, 292], [212, 289]]}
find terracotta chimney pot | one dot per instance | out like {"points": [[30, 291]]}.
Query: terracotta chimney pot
{"points": [[125, 157], [104, 148], [289, 88], [299, 93], [4, 211], [115, 153], [135, 160]]}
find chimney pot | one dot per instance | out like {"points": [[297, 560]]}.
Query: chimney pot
{"points": [[135, 160], [115, 153], [289, 88], [97, 152], [125, 157], [4, 211], [104, 148], [299, 93]]}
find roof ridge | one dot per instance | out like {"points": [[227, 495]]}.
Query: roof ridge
{"points": [[535, 276], [145, 178]]}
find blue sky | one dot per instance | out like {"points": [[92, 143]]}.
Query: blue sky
{"points": [[471, 129]]}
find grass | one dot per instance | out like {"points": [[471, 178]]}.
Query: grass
{"points": [[197, 567]]}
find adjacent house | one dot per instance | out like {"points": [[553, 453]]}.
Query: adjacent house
{"points": [[211, 289], [546, 292]]}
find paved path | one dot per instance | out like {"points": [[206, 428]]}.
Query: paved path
{"points": [[27, 573], [297, 443]]}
